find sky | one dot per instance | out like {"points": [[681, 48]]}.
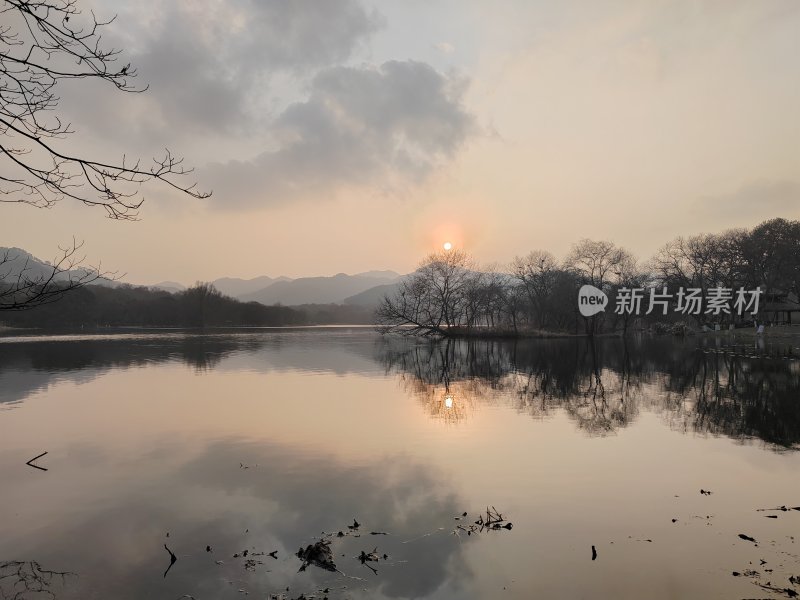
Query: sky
{"points": [[348, 135]]}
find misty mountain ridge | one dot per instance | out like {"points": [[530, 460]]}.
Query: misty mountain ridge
{"points": [[173, 287], [370, 298], [334, 289], [361, 289], [320, 290], [16, 263], [236, 287]]}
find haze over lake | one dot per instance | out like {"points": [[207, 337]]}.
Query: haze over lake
{"points": [[261, 440]]}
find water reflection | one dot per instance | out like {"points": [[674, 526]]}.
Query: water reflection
{"points": [[37, 363], [742, 391], [705, 385], [21, 579], [282, 501], [262, 442]]}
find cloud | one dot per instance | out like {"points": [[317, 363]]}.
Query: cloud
{"points": [[210, 65], [204, 64], [359, 126]]}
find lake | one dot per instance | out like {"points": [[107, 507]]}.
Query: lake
{"points": [[232, 445]]}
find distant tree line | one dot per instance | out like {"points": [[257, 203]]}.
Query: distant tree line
{"points": [[200, 306], [450, 294]]}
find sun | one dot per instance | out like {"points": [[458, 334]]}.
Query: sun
{"points": [[447, 246]]}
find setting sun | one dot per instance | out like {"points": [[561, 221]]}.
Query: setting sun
{"points": [[447, 246]]}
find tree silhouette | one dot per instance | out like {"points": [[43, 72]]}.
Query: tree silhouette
{"points": [[43, 42]]}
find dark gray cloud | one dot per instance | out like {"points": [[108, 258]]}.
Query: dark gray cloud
{"points": [[224, 79], [210, 66], [205, 66], [360, 126]]}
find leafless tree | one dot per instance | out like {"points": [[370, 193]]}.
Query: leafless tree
{"points": [[770, 257], [44, 42], [537, 274], [597, 263], [628, 273], [26, 284], [432, 299]]}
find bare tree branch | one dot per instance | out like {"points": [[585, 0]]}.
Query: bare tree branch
{"points": [[43, 42], [25, 285], [20, 580]]}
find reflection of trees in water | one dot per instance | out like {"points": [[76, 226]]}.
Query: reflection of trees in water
{"points": [[602, 385], [452, 403], [536, 379], [38, 364], [443, 377], [22, 580], [573, 377], [202, 352], [728, 392]]}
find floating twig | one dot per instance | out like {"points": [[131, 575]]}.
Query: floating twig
{"points": [[30, 462], [172, 560]]}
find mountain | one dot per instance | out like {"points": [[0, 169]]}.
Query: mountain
{"points": [[235, 287], [362, 290], [319, 290], [372, 297], [17, 263], [173, 287], [379, 274]]}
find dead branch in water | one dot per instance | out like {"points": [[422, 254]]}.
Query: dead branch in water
{"points": [[21, 578], [172, 560], [30, 462]]}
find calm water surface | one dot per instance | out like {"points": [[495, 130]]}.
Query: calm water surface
{"points": [[263, 440]]}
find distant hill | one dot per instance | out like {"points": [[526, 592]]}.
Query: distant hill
{"points": [[169, 286], [379, 274], [235, 287], [372, 297], [319, 290], [362, 290], [18, 263]]}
